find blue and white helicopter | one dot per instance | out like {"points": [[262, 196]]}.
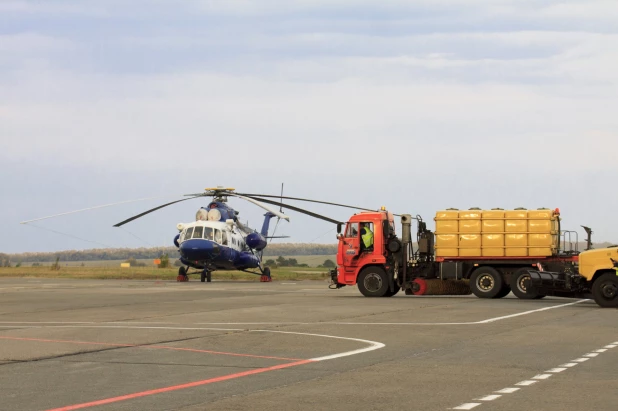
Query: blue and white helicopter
{"points": [[217, 240]]}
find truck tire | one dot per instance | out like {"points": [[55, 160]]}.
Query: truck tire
{"points": [[518, 285], [390, 293], [506, 290], [486, 282], [605, 290], [373, 282]]}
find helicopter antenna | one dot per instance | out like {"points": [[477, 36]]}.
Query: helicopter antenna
{"points": [[278, 218]]}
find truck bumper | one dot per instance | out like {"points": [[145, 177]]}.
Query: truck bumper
{"points": [[557, 284], [334, 284]]}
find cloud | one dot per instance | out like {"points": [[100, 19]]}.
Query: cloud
{"points": [[33, 43], [416, 106], [44, 7]]}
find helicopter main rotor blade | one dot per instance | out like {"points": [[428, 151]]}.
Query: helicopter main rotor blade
{"points": [[300, 210], [309, 200], [90, 208], [254, 201], [135, 217]]}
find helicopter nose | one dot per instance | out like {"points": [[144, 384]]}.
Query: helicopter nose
{"points": [[196, 250]]}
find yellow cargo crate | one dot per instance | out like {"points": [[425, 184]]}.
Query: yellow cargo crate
{"points": [[497, 233]]}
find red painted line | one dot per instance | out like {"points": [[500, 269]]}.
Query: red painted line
{"points": [[159, 347], [179, 387]]}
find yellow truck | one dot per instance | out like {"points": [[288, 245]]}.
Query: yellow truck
{"points": [[596, 273]]}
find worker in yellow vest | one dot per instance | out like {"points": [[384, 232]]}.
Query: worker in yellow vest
{"points": [[366, 236]]}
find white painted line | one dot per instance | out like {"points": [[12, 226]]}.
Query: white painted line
{"points": [[616, 343], [610, 346], [529, 312], [487, 321], [508, 390], [489, 397], [536, 378], [467, 406], [372, 345], [288, 283], [542, 376]]}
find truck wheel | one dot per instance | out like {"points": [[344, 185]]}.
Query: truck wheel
{"points": [[373, 282], [506, 290], [519, 279], [390, 293], [605, 290], [486, 282]]}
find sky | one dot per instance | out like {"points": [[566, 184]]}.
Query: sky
{"points": [[413, 105]]}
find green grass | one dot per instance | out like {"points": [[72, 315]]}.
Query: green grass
{"points": [[153, 273], [311, 260]]}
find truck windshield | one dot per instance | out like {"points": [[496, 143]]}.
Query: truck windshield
{"points": [[351, 230]]}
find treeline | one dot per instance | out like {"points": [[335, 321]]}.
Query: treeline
{"points": [[273, 250], [98, 254]]}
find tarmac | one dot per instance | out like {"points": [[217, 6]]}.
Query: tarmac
{"points": [[159, 345]]}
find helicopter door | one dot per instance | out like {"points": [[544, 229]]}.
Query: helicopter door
{"points": [[351, 245]]}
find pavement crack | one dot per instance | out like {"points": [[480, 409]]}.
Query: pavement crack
{"points": [[237, 367], [73, 354]]}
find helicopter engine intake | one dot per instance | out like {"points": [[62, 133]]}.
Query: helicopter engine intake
{"points": [[256, 241]]}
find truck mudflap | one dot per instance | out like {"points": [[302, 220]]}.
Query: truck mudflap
{"points": [[557, 284]]}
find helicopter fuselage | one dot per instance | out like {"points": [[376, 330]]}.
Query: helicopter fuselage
{"points": [[214, 245]]}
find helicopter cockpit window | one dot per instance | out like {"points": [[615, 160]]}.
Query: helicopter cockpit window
{"points": [[218, 236], [208, 233], [197, 233], [188, 233]]}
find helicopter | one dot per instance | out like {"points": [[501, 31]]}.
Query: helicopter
{"points": [[217, 240]]}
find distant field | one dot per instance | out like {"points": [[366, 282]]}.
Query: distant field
{"points": [[152, 273], [311, 260]]}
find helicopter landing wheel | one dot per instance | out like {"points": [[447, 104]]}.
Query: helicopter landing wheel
{"points": [[266, 278], [206, 276], [182, 275]]}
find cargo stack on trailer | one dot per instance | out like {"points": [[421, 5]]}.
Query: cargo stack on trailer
{"points": [[496, 248], [486, 252]]}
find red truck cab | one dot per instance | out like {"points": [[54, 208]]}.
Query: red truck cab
{"points": [[352, 254]]}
